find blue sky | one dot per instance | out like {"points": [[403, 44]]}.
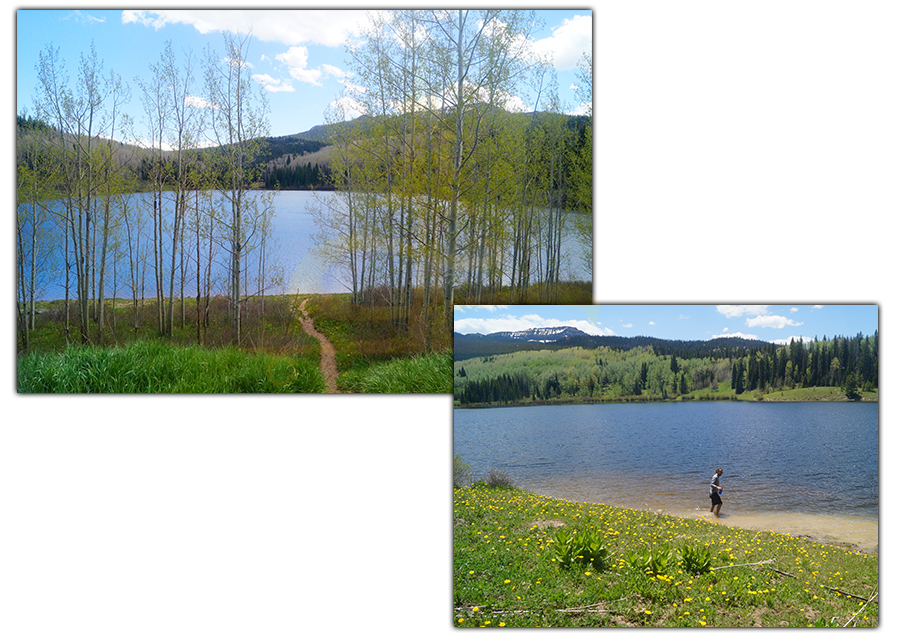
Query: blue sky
{"points": [[297, 55], [770, 322]]}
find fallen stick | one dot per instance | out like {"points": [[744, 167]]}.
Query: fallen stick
{"points": [[588, 608], [874, 595], [852, 595]]}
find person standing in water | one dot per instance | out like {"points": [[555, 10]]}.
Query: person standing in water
{"points": [[715, 492]]}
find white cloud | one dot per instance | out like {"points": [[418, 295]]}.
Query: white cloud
{"points": [[335, 71], [737, 310], [297, 58], [652, 323], [818, 306], [794, 309], [84, 17], [627, 326], [352, 88], [772, 322], [514, 104], [569, 40], [348, 108], [582, 109], [326, 27], [482, 307], [805, 339], [273, 84]]}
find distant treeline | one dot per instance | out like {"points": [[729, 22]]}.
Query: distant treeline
{"points": [[306, 176], [282, 158], [285, 167], [502, 389], [658, 372]]}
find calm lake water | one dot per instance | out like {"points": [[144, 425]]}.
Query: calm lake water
{"points": [[804, 468], [293, 252]]}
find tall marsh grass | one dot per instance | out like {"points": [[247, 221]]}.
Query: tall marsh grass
{"points": [[155, 367]]}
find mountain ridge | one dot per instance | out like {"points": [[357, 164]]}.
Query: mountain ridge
{"points": [[536, 334], [482, 345]]}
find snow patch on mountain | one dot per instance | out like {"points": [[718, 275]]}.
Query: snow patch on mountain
{"points": [[540, 334]]}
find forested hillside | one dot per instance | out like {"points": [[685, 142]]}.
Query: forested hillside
{"points": [[470, 346], [665, 370]]}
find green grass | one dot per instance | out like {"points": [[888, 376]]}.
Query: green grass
{"points": [[816, 394], [155, 367], [507, 570], [428, 373]]}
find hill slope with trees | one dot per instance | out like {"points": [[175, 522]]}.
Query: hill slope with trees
{"points": [[605, 369]]}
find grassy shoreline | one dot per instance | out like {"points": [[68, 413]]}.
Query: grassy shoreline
{"points": [[808, 394], [508, 570]]}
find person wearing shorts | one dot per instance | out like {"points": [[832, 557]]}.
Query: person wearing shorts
{"points": [[714, 489]]}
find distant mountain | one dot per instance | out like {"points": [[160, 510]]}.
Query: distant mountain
{"points": [[541, 334], [476, 345], [324, 132]]}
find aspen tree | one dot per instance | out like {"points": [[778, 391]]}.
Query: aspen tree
{"points": [[239, 123]]}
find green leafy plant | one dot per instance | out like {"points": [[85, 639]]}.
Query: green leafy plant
{"points": [[660, 559], [638, 559], [583, 547], [650, 561], [594, 552], [563, 547], [695, 559]]}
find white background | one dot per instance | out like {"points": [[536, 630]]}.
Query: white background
{"points": [[745, 152]]}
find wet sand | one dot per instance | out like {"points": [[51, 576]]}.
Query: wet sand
{"points": [[860, 533], [840, 529]]}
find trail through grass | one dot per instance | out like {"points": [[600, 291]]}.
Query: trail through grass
{"points": [[373, 356]]}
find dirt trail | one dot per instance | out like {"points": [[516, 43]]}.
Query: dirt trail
{"points": [[327, 360]]}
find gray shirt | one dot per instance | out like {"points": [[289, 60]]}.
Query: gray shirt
{"points": [[714, 484]]}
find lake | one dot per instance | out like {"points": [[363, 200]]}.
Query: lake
{"points": [[802, 468], [293, 255]]}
